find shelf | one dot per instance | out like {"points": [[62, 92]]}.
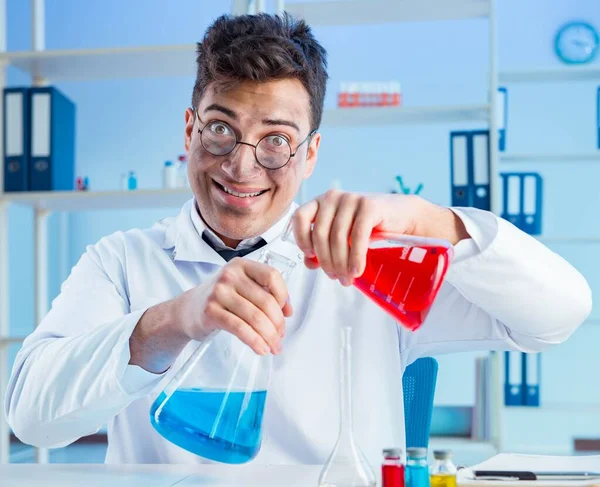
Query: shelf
{"points": [[356, 12], [87, 64], [341, 117], [568, 240], [551, 157], [11, 340], [574, 73], [100, 200]]}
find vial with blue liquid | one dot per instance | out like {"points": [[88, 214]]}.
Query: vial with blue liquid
{"points": [[417, 470], [214, 405]]}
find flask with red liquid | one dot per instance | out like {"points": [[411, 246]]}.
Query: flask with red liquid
{"points": [[392, 468], [403, 274]]}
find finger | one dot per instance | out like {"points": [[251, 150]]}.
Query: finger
{"points": [[263, 300], [238, 327], [302, 221], [255, 318], [339, 237], [359, 239], [267, 277], [328, 207], [311, 262], [287, 310]]}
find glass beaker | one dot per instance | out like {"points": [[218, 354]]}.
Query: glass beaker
{"points": [[346, 465], [214, 404], [403, 273]]}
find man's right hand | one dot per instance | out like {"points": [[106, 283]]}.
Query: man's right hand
{"points": [[246, 298]]}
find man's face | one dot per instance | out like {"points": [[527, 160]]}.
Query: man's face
{"points": [[252, 111]]}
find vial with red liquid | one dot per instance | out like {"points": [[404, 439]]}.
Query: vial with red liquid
{"points": [[403, 274], [392, 468]]}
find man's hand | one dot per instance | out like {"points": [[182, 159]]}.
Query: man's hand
{"points": [[246, 298], [342, 224]]}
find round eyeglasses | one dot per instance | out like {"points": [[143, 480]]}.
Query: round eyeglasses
{"points": [[271, 152]]}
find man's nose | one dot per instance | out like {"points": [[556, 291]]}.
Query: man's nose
{"points": [[241, 164]]}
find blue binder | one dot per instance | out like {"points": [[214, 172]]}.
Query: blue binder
{"points": [[480, 156], [460, 168], [16, 139], [470, 168], [52, 165], [522, 195], [532, 374], [502, 117], [513, 379]]}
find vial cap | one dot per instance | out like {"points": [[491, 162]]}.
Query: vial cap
{"points": [[392, 452], [168, 163], [442, 454], [416, 452]]}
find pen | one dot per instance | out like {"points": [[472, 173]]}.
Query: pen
{"points": [[527, 475]]}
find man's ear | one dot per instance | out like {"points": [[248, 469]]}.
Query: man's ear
{"points": [[311, 156], [189, 128]]}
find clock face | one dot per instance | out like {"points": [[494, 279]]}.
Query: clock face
{"points": [[576, 43]]}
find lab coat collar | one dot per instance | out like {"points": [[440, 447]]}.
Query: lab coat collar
{"points": [[184, 238]]}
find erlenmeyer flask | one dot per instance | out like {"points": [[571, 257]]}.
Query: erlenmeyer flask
{"points": [[347, 465], [214, 404], [403, 274]]}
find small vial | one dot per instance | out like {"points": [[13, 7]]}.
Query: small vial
{"points": [[417, 471], [132, 181], [392, 468], [443, 471]]}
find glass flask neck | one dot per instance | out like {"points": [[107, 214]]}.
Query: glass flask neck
{"points": [[346, 384]]}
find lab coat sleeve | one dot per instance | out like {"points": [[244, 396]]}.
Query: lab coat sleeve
{"points": [[72, 375], [503, 291]]}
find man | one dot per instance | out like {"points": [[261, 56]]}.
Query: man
{"points": [[123, 322]]}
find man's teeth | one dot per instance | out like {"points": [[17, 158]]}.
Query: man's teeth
{"points": [[240, 195]]}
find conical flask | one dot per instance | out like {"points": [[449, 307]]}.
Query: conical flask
{"points": [[403, 275], [347, 465], [214, 404]]}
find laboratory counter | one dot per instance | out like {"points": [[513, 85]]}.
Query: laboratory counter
{"points": [[95, 475]]}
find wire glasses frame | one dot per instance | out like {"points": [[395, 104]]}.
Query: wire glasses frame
{"points": [[227, 144]]}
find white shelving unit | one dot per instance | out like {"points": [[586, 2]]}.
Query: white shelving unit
{"points": [[551, 157], [179, 60], [553, 75]]}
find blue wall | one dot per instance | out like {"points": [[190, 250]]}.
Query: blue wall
{"points": [[137, 124]]}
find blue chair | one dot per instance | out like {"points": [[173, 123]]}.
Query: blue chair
{"points": [[418, 382]]}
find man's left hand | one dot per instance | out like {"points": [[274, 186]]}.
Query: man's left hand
{"points": [[342, 224]]}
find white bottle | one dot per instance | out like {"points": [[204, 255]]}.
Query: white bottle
{"points": [[169, 175]]}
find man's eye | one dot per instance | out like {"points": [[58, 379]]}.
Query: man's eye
{"points": [[276, 141], [219, 128]]}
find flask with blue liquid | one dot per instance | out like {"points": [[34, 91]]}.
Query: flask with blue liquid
{"points": [[214, 405]]}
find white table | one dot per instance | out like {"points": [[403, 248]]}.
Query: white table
{"points": [[67, 475]]}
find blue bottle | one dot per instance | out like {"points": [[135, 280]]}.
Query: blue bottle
{"points": [[131, 180], [417, 471], [214, 404]]}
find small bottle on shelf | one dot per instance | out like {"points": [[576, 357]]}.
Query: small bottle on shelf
{"points": [[131, 181], [443, 471], [392, 468], [169, 175]]}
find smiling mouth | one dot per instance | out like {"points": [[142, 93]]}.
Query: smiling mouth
{"points": [[238, 194]]}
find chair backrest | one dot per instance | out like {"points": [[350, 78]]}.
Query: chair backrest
{"points": [[418, 382]]}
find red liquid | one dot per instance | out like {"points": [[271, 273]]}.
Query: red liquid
{"points": [[404, 281], [392, 475]]}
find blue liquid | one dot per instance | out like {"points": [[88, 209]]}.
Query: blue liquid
{"points": [[199, 421], [417, 476]]}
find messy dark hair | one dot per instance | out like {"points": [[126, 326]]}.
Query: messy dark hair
{"points": [[262, 48]]}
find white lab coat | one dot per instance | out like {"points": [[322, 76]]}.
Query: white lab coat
{"points": [[504, 290]]}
